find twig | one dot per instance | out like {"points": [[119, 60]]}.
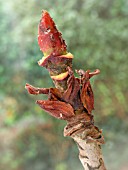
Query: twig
{"points": [[72, 98]]}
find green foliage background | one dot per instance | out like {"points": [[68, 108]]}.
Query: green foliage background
{"points": [[96, 32]]}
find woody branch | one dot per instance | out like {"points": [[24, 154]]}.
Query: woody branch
{"points": [[72, 98]]}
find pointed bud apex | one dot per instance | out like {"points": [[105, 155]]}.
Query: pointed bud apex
{"points": [[49, 39]]}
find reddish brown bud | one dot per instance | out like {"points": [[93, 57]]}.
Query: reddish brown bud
{"points": [[49, 38]]}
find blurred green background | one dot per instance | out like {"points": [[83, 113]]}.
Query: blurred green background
{"points": [[96, 32]]}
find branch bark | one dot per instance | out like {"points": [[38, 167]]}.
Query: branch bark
{"points": [[72, 98], [88, 139]]}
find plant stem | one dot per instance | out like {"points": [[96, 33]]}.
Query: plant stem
{"points": [[89, 146], [72, 99]]}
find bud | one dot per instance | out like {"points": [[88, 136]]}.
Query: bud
{"points": [[49, 38]]}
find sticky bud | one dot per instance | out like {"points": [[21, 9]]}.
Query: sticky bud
{"points": [[49, 38]]}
